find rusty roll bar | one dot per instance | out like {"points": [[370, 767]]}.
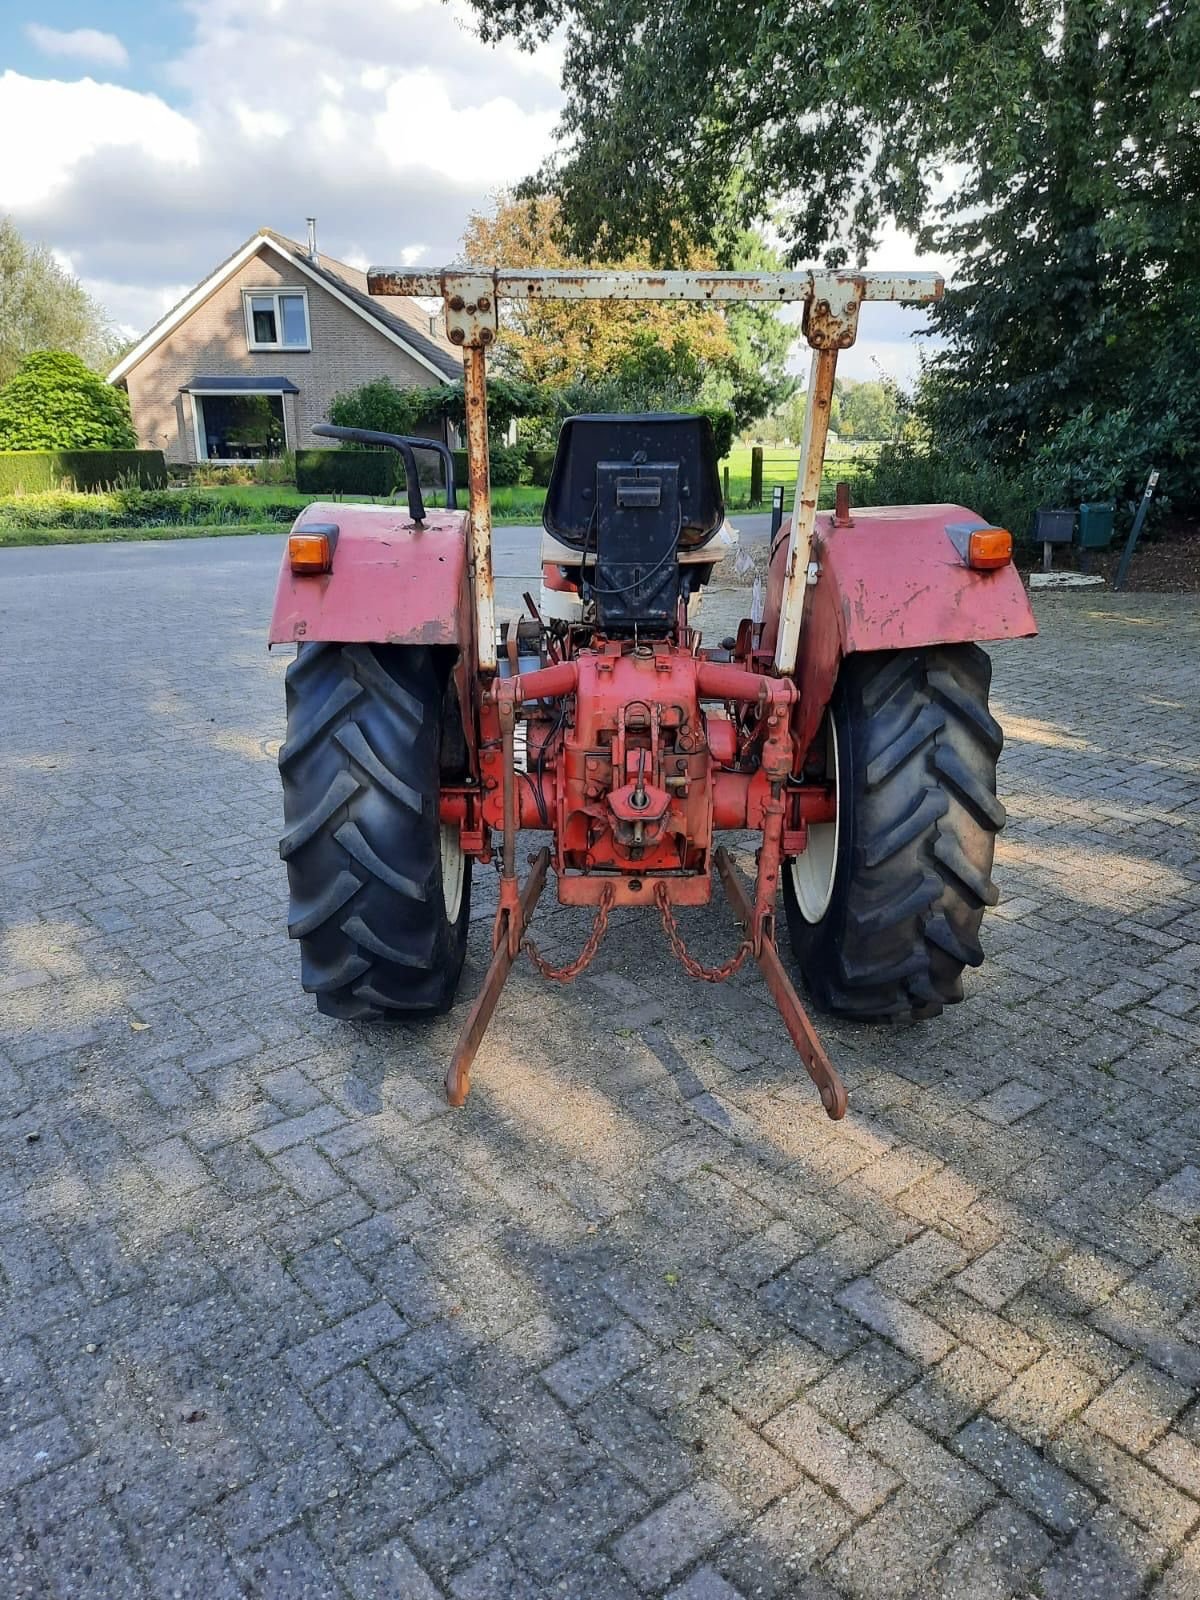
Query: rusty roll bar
{"points": [[831, 303]]}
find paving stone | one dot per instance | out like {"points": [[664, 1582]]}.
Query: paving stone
{"points": [[1001, 1273], [1052, 1495], [370, 1431], [861, 1383], [584, 1373], [677, 1534], [1134, 1489], [774, 1555], [464, 1525], [908, 1329], [956, 1492], [1139, 1407], [1179, 1197], [890, 1553], [831, 1457], [1109, 1559], [257, 1283], [356, 1336], [576, 1521], [733, 1454], [705, 1584], [992, 1560], [390, 1570], [1037, 1402]]}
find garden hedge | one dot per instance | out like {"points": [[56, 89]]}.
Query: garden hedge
{"points": [[34, 471], [372, 472]]}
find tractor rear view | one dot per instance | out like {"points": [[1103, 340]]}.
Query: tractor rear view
{"points": [[848, 728]]}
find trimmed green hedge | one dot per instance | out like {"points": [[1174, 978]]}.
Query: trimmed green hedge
{"points": [[33, 471], [138, 508], [346, 472]]}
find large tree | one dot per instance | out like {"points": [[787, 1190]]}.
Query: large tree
{"points": [[42, 307], [1049, 148], [735, 359]]}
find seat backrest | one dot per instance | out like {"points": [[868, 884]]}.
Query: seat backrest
{"points": [[633, 438]]}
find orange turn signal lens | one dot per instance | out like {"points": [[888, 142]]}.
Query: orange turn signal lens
{"points": [[309, 552], [989, 548]]}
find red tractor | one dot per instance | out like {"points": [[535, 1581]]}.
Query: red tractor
{"points": [[848, 727]]}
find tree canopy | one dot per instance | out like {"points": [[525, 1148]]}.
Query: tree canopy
{"points": [[42, 307], [1048, 149], [55, 402], [735, 359]]}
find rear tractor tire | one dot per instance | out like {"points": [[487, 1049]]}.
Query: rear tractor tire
{"points": [[884, 906], [380, 889]]}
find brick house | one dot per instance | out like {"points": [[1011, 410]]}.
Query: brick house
{"points": [[253, 356]]}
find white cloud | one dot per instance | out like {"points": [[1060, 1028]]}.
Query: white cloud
{"points": [[488, 142], [56, 126], [81, 44]]}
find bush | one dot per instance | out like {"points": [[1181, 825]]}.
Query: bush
{"points": [[137, 508], [30, 471], [55, 402], [371, 472], [723, 422], [539, 462], [276, 469], [912, 475], [1109, 457], [506, 464]]}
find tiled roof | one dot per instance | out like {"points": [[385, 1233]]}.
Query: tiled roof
{"points": [[401, 314]]}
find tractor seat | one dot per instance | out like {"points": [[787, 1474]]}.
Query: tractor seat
{"points": [[625, 448]]}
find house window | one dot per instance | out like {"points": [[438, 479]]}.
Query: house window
{"points": [[239, 427], [277, 319]]}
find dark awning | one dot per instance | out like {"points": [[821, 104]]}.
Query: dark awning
{"points": [[221, 383]]}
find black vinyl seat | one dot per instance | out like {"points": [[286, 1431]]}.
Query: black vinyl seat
{"points": [[634, 438], [629, 491]]}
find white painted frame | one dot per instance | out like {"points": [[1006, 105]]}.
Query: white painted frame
{"points": [[225, 394], [275, 294]]}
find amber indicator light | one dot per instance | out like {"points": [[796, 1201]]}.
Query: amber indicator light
{"points": [[309, 552], [989, 548]]}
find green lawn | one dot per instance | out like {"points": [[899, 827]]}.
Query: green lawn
{"points": [[521, 504], [250, 503]]}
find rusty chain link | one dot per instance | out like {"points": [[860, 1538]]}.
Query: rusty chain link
{"points": [[586, 955], [690, 965]]}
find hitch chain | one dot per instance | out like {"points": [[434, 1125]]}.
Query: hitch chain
{"points": [[694, 968], [591, 944]]}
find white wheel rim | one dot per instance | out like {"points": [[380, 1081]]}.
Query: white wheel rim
{"points": [[814, 871], [454, 869]]}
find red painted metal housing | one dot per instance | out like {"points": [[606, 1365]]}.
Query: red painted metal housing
{"points": [[391, 582], [890, 580]]}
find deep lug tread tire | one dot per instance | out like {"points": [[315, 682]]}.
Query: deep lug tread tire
{"points": [[362, 832], [918, 822]]}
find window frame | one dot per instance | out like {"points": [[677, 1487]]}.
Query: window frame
{"points": [[248, 298], [200, 426]]}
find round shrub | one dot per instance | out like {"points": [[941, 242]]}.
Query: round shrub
{"points": [[54, 402]]}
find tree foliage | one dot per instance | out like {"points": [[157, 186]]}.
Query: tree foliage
{"points": [[1051, 148], [734, 360], [868, 410], [42, 307], [383, 405], [55, 402]]}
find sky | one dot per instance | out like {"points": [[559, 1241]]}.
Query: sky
{"points": [[143, 142]]}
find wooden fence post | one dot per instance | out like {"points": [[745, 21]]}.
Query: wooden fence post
{"points": [[756, 475]]}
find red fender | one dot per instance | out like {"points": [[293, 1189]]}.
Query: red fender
{"points": [[892, 580], [390, 582]]}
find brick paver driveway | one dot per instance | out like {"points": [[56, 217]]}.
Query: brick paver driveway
{"points": [[640, 1320]]}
